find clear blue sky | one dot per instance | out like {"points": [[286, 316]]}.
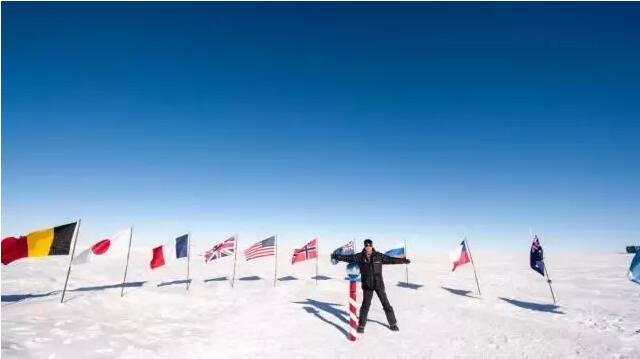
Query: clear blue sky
{"points": [[416, 121]]}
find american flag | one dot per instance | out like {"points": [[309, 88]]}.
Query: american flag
{"points": [[309, 251], [264, 248], [220, 250]]}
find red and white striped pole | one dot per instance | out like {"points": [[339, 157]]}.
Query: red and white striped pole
{"points": [[353, 305]]}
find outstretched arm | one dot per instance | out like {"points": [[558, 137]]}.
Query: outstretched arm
{"points": [[344, 258], [393, 260]]}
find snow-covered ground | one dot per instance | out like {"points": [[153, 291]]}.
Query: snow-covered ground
{"points": [[440, 316]]}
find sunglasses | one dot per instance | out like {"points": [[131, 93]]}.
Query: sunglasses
{"points": [[368, 245]]}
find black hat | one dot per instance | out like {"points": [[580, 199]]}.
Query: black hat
{"points": [[368, 241]]}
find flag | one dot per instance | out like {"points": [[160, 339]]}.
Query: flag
{"points": [[46, 242], [220, 250], [346, 249], [180, 250], [397, 252], [536, 257], [634, 268], [460, 257], [264, 248], [104, 247], [308, 251]]}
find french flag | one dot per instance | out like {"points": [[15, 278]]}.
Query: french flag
{"points": [[460, 257], [164, 253]]}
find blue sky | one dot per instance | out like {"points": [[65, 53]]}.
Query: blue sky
{"points": [[417, 121]]}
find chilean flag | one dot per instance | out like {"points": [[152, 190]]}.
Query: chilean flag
{"points": [[461, 257], [106, 247], [163, 253]]}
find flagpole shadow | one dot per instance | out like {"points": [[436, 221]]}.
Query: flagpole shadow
{"points": [[409, 285], [110, 286], [180, 281], [460, 292], [13, 298], [548, 308]]}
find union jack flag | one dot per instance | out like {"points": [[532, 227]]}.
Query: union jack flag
{"points": [[348, 248], [220, 250], [309, 251]]}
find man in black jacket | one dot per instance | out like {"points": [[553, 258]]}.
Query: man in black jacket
{"points": [[370, 263]]}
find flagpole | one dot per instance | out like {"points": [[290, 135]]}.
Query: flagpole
{"points": [[235, 258], [127, 265], [406, 266], [73, 251], [188, 256], [549, 282], [275, 269], [317, 255], [472, 264]]}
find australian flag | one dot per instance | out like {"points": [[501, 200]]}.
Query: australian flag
{"points": [[536, 258]]}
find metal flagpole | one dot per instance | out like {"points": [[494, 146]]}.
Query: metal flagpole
{"points": [[188, 256], [317, 255], [127, 265], [73, 251], [275, 270], [474, 266], [549, 282], [406, 266], [235, 258]]}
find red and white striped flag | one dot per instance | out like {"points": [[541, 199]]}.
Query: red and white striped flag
{"points": [[264, 248]]}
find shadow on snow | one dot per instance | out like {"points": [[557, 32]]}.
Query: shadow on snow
{"points": [[173, 282], [549, 308], [462, 292], [315, 307], [20, 297], [409, 285]]}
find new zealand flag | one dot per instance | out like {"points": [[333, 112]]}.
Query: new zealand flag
{"points": [[536, 258]]}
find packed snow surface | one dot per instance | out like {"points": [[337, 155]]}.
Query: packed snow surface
{"points": [[440, 313]]}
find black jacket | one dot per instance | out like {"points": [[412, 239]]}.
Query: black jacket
{"points": [[370, 271]]}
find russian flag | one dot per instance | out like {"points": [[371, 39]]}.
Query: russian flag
{"points": [[397, 252], [162, 254]]}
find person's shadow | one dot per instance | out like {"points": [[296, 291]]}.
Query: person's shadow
{"points": [[315, 307]]}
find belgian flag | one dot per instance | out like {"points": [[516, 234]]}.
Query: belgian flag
{"points": [[46, 242]]}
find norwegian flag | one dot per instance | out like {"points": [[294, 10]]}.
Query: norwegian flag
{"points": [[309, 251], [220, 250]]}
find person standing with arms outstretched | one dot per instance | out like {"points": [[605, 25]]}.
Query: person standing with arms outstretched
{"points": [[370, 263]]}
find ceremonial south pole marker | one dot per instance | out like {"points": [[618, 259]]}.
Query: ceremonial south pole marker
{"points": [[353, 273]]}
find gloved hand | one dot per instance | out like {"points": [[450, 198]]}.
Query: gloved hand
{"points": [[407, 260], [334, 256]]}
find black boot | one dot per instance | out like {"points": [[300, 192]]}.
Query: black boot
{"points": [[394, 328], [360, 330]]}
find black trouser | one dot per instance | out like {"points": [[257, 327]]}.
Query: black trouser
{"points": [[366, 303]]}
